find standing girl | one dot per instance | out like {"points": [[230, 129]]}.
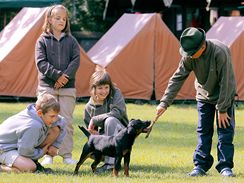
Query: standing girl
{"points": [[57, 57], [105, 112]]}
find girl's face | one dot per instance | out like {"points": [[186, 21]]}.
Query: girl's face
{"points": [[58, 19], [101, 92]]}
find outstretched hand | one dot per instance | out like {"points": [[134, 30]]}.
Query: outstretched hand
{"points": [[160, 110]]}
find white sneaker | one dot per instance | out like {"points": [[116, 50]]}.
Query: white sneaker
{"points": [[48, 160], [69, 161]]}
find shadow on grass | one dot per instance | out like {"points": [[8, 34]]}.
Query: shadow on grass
{"points": [[68, 172], [146, 172], [135, 171], [239, 175], [159, 169]]}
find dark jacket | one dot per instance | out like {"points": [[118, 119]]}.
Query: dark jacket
{"points": [[56, 57]]}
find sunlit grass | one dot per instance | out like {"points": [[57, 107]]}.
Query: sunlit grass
{"points": [[166, 156]]}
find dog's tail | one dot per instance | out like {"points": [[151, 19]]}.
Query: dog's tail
{"points": [[85, 131]]}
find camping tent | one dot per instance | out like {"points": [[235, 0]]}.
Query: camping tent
{"points": [[166, 60], [230, 31], [141, 54], [18, 73], [87, 67]]}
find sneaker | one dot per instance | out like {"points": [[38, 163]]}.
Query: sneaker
{"points": [[197, 171], [41, 169], [227, 172], [104, 168], [48, 160], [69, 161]]}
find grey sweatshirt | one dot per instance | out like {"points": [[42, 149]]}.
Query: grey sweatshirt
{"points": [[25, 131], [113, 106], [215, 82]]}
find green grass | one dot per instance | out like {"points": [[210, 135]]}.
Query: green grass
{"points": [[166, 156]]}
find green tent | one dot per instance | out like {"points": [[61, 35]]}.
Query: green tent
{"points": [[26, 3]]}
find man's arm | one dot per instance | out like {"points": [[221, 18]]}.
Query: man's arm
{"points": [[174, 85]]}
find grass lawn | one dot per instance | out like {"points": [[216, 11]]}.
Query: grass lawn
{"points": [[166, 156]]}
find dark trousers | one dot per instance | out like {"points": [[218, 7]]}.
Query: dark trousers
{"points": [[225, 148]]}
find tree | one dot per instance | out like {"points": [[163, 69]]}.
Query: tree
{"points": [[87, 15]]}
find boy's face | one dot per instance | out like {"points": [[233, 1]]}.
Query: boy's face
{"points": [[48, 118]]}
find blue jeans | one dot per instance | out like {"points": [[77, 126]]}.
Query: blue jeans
{"points": [[225, 148]]}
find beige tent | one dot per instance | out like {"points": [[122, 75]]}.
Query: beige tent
{"points": [[230, 30], [141, 54], [18, 73]]}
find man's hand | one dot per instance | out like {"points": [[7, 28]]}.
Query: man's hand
{"points": [[160, 110], [223, 120], [62, 80], [52, 151]]}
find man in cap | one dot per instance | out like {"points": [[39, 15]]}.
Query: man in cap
{"points": [[215, 85]]}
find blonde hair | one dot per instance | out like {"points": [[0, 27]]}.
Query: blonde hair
{"points": [[46, 102], [49, 13]]}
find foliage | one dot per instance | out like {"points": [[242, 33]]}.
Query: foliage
{"points": [[87, 15], [166, 156]]}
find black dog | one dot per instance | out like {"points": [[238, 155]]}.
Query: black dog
{"points": [[117, 146]]}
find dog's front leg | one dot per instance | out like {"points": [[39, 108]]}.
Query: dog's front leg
{"points": [[84, 155], [117, 164], [127, 163]]}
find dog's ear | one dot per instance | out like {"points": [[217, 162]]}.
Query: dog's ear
{"points": [[130, 130]]}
